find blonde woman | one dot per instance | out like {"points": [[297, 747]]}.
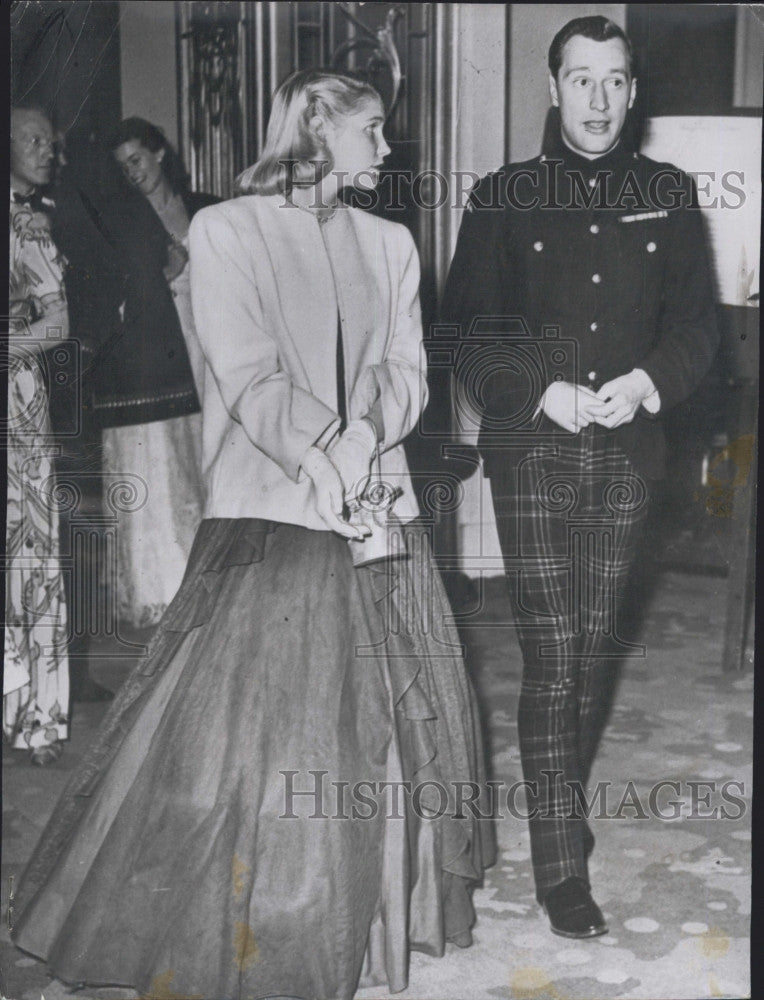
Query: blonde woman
{"points": [[191, 859]]}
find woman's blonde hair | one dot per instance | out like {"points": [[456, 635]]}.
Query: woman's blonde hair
{"points": [[293, 156]]}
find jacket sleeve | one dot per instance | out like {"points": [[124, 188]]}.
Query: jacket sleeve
{"points": [[280, 418], [473, 285], [688, 334], [396, 388], [477, 300]]}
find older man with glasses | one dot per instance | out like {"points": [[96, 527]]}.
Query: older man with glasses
{"points": [[36, 677]]}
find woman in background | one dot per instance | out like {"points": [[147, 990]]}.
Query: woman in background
{"points": [[156, 376], [303, 653]]}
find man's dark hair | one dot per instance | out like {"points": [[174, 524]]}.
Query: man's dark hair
{"points": [[598, 28]]}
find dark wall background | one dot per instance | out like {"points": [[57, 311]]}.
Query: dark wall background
{"points": [[65, 56], [686, 66], [686, 57]]}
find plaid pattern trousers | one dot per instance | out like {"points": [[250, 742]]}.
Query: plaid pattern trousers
{"points": [[569, 517]]}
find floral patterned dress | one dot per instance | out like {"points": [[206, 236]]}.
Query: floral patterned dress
{"points": [[36, 677]]}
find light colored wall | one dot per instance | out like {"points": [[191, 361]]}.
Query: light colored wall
{"points": [[480, 123], [532, 28], [481, 86], [749, 57], [148, 63]]}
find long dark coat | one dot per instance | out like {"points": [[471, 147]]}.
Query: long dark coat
{"points": [[136, 366]]}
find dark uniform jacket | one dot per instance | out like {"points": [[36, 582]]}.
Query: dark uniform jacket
{"points": [[577, 269], [121, 308]]}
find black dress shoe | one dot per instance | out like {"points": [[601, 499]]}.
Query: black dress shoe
{"points": [[572, 912]]}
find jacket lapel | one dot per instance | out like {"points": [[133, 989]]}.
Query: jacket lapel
{"points": [[361, 272], [303, 289]]}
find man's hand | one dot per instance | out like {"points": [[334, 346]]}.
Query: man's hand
{"points": [[623, 396], [329, 494], [571, 406]]}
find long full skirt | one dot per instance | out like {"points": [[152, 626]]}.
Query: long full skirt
{"points": [[269, 808]]}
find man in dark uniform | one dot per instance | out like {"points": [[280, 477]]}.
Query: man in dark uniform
{"points": [[583, 294]]}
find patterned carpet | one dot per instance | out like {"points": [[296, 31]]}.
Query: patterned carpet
{"points": [[675, 890]]}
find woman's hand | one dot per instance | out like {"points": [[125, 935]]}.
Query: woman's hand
{"points": [[177, 258], [352, 454], [329, 494]]}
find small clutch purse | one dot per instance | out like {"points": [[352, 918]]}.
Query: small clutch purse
{"points": [[374, 508]]}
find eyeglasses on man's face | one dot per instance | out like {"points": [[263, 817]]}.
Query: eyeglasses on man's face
{"points": [[36, 143]]}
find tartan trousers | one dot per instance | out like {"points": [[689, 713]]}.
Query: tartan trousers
{"points": [[569, 517]]}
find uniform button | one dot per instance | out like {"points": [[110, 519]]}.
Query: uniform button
{"points": [[594, 228], [592, 181], [538, 246], [596, 278], [592, 376], [593, 327], [651, 247]]}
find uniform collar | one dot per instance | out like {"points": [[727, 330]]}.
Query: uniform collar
{"points": [[617, 160]]}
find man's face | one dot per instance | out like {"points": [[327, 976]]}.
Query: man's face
{"points": [[593, 91], [32, 150]]}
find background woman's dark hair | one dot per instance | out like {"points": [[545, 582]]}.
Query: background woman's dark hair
{"points": [[153, 139], [598, 28]]}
